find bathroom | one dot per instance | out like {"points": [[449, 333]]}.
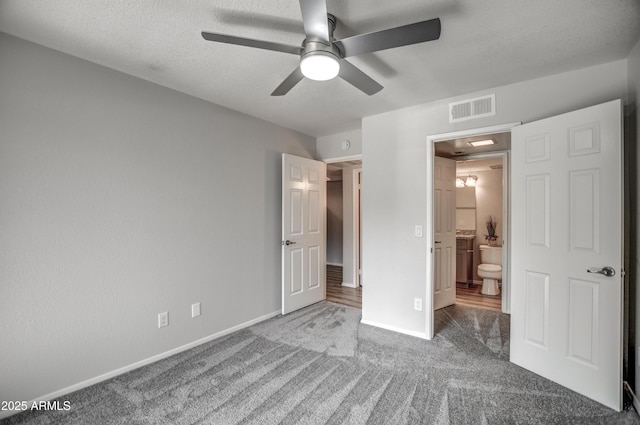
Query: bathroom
{"points": [[479, 224]]}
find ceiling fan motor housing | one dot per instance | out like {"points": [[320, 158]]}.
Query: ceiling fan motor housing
{"points": [[320, 58], [312, 45]]}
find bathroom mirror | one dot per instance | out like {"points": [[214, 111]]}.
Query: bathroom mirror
{"points": [[465, 219], [465, 208], [465, 197]]}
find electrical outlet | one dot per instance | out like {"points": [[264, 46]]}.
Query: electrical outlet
{"points": [[163, 319], [195, 310], [417, 304]]}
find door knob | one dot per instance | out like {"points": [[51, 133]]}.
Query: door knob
{"points": [[606, 270], [288, 242]]}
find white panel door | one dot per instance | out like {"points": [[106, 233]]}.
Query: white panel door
{"points": [[566, 312], [444, 233], [304, 206]]}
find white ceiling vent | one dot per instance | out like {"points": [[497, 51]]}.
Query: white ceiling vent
{"points": [[478, 107]]}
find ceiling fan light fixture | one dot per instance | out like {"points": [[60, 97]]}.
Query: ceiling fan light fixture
{"points": [[320, 65]]}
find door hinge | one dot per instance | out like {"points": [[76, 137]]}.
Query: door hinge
{"points": [[623, 273]]}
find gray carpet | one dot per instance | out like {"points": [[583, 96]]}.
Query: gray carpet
{"points": [[320, 366]]}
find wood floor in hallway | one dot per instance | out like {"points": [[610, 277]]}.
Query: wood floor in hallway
{"points": [[341, 294], [353, 296]]}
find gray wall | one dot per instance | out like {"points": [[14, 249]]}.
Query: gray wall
{"points": [[395, 194], [122, 199], [334, 222]]}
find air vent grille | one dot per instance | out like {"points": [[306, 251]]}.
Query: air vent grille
{"points": [[478, 107], [496, 167]]}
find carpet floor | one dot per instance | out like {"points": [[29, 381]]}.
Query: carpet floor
{"points": [[321, 366]]}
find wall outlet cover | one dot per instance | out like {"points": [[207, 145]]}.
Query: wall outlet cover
{"points": [[417, 304], [163, 319]]}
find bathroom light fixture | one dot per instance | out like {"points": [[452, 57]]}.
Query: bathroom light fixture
{"points": [[468, 181], [482, 143], [320, 65]]}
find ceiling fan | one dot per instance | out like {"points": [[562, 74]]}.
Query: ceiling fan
{"points": [[322, 57]]}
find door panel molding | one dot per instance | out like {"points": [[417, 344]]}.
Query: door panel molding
{"points": [[304, 206], [566, 318]]}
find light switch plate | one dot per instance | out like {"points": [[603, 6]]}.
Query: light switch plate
{"points": [[418, 231]]}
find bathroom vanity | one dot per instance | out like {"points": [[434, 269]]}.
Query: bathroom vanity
{"points": [[464, 259]]}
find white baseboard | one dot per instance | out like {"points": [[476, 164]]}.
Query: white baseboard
{"points": [[421, 335], [334, 264], [136, 365], [349, 284]]}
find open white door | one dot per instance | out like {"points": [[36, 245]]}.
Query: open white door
{"points": [[566, 312], [444, 233], [304, 205]]}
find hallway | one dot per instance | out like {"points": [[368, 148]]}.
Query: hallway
{"points": [[341, 294]]}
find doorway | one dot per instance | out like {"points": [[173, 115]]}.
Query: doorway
{"points": [[566, 318], [481, 225], [344, 272], [481, 218], [459, 145]]}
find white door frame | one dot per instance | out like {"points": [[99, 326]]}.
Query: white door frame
{"points": [[502, 128], [357, 237]]}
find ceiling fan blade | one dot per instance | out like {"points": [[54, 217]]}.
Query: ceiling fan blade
{"points": [[389, 38], [314, 18], [249, 42], [288, 83], [358, 79]]}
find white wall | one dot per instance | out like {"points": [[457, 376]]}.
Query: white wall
{"points": [[394, 193], [122, 199], [329, 147], [633, 165]]}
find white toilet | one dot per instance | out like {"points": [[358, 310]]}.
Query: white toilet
{"points": [[490, 269]]}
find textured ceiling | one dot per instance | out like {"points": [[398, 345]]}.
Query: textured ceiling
{"points": [[483, 44]]}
